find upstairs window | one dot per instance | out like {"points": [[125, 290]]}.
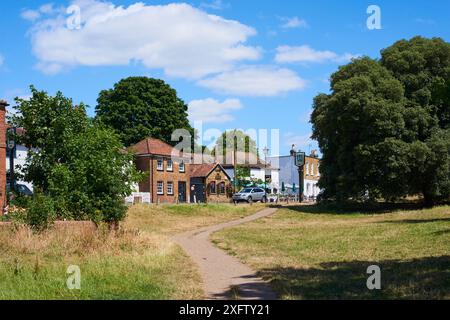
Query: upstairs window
{"points": [[160, 165], [182, 167], [169, 165]]}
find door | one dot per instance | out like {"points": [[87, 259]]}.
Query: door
{"points": [[198, 193], [182, 191]]}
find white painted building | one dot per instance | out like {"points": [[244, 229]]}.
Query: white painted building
{"points": [[20, 157], [288, 175]]}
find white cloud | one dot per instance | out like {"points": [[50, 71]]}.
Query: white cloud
{"points": [[293, 22], [182, 40], [212, 111], [305, 54], [301, 141], [215, 5], [33, 15], [30, 15], [255, 81]]}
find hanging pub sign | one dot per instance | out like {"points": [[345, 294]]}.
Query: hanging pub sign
{"points": [[300, 158]]}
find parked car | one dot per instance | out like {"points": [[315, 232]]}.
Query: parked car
{"points": [[21, 189], [250, 195]]}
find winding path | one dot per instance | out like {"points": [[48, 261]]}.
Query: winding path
{"points": [[221, 273]]}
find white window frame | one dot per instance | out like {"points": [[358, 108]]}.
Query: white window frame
{"points": [[170, 165], [158, 162], [170, 186], [307, 168], [160, 188], [182, 167]]}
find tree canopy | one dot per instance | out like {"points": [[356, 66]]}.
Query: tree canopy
{"points": [[244, 142], [384, 128], [140, 107], [74, 161]]}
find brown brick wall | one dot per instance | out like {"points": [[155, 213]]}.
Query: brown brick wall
{"points": [[218, 177], [3, 196], [315, 168], [149, 165]]}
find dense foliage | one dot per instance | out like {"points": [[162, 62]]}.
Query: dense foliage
{"points": [[384, 130], [77, 163], [140, 107]]}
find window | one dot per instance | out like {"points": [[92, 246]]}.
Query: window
{"points": [[160, 165], [212, 187], [170, 188], [222, 187], [169, 165], [318, 170], [307, 168], [182, 168], [160, 187], [311, 169]]}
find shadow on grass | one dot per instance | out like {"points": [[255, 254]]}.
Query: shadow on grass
{"points": [[414, 221], [425, 278], [356, 208], [441, 232]]}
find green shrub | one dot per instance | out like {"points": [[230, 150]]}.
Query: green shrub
{"points": [[41, 212]]}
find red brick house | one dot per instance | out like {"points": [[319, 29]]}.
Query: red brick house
{"points": [[3, 195], [172, 178]]}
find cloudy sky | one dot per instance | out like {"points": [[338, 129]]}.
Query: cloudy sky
{"points": [[249, 64]]}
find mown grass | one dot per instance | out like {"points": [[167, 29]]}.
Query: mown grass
{"points": [[139, 262], [309, 253]]}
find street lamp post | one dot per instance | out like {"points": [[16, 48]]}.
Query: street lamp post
{"points": [[266, 153], [11, 145], [300, 159]]}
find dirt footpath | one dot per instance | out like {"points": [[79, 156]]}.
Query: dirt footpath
{"points": [[223, 275]]}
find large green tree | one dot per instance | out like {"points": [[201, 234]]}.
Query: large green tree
{"points": [[229, 139], [75, 162], [140, 107], [383, 130]]}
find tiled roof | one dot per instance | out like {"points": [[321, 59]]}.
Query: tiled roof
{"points": [[202, 170], [153, 146]]}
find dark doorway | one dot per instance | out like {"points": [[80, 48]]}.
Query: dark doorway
{"points": [[198, 193], [182, 191]]}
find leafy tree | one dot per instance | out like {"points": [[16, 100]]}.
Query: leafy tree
{"points": [[226, 142], [79, 165], [140, 107], [384, 129], [49, 123]]}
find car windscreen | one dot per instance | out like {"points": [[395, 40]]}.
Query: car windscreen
{"points": [[246, 191]]}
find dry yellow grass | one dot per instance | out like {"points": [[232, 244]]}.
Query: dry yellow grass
{"points": [[172, 219], [139, 262]]}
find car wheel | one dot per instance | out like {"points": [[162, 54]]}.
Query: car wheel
{"points": [[250, 200], [264, 199]]}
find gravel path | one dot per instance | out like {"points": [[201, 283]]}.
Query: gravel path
{"points": [[222, 274]]}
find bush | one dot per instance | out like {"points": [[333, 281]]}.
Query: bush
{"points": [[41, 212]]}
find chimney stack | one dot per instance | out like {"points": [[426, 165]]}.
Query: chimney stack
{"points": [[293, 150]]}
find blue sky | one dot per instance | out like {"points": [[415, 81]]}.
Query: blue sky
{"points": [[239, 64]]}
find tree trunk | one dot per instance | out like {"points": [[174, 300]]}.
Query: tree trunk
{"points": [[428, 200]]}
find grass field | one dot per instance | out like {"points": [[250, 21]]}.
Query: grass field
{"points": [[141, 262], [314, 253]]}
